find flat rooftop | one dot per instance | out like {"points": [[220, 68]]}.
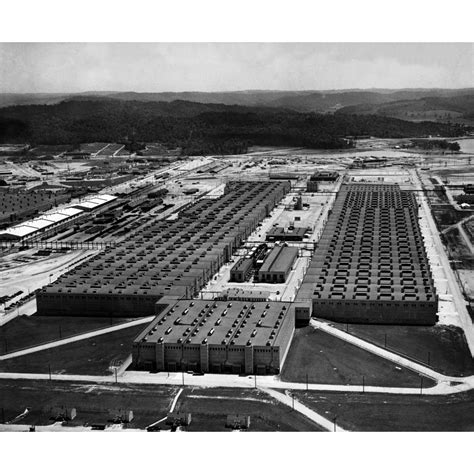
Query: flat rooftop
{"points": [[371, 249], [280, 259], [218, 323]]}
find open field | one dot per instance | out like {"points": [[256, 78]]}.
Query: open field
{"points": [[27, 331], [469, 228], [210, 407], [93, 356], [384, 412], [92, 402], [444, 347], [458, 249], [151, 403], [325, 359]]}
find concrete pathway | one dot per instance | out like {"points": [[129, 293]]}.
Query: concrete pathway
{"points": [[291, 401], [79, 337], [462, 221]]}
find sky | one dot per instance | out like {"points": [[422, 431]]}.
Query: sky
{"points": [[159, 67]]}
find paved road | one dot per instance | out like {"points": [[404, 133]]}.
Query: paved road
{"points": [[449, 385], [452, 285]]}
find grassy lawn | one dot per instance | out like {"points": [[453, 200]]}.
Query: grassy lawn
{"points": [[27, 331], [91, 356], [444, 346], [93, 402], [210, 407], [326, 359], [379, 412]]}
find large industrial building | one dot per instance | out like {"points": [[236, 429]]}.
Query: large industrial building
{"points": [[216, 336], [370, 265], [164, 258]]}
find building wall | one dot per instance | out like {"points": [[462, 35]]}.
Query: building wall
{"points": [[377, 312]]}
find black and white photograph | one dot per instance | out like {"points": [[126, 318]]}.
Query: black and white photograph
{"points": [[217, 236]]}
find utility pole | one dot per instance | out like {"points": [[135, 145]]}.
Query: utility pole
{"points": [[182, 374], [49, 371], [429, 358], [421, 385], [306, 382], [115, 370], [255, 380], [293, 401], [334, 421], [385, 340], [363, 384]]}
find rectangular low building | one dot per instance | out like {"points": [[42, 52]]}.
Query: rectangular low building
{"points": [[291, 234], [277, 265], [241, 270]]}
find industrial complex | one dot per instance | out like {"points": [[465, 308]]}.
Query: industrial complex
{"points": [[369, 266]]}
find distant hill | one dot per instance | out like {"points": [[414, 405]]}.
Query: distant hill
{"points": [[372, 101], [197, 128], [438, 109]]}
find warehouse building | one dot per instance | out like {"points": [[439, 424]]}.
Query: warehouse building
{"points": [[216, 336], [50, 224], [370, 265], [239, 294], [163, 258], [241, 270], [16, 205], [278, 264], [324, 176], [291, 234]]}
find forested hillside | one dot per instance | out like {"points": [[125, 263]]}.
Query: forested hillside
{"points": [[197, 128]]}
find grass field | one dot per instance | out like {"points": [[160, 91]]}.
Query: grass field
{"points": [[27, 331], [444, 347], [91, 356], [379, 412], [326, 359], [209, 407], [92, 402]]}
